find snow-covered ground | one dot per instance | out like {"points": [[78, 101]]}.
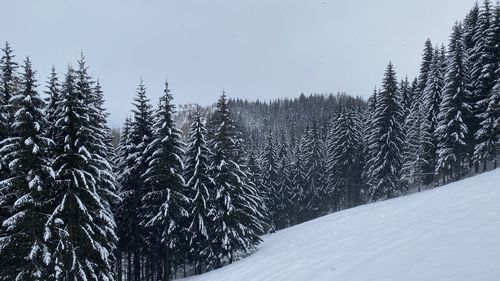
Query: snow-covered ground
{"points": [[449, 233]]}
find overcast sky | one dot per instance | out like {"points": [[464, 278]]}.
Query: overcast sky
{"points": [[254, 49]]}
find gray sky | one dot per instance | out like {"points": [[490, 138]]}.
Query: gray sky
{"points": [[254, 49]]}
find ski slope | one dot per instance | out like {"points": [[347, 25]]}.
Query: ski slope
{"points": [[448, 233]]}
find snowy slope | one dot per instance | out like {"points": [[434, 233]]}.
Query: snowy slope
{"points": [[449, 233]]}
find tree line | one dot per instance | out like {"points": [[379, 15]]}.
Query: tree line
{"points": [[411, 133]]}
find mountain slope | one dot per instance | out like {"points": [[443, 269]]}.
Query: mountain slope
{"points": [[449, 233]]}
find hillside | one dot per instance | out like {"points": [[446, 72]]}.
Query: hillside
{"points": [[449, 233]]}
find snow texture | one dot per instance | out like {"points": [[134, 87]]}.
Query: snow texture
{"points": [[450, 233]]}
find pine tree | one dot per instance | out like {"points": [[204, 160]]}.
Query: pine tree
{"points": [[370, 138], [83, 247], [237, 220], [164, 203], [425, 65], [412, 160], [51, 101], [255, 177], [431, 100], [122, 169], [8, 88], [270, 181], [452, 130], [132, 184], [385, 179], [200, 186], [489, 133], [298, 184], [482, 76], [315, 190], [407, 96], [485, 135], [23, 245], [10, 82], [284, 183], [345, 165]]}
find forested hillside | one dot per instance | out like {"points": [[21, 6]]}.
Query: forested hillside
{"points": [[191, 190]]}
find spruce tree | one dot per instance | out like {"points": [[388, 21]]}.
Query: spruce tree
{"points": [[8, 88], [52, 99], [270, 181], [298, 184], [164, 201], [200, 188], [9, 83], [489, 133], [132, 184], [482, 76], [485, 135], [284, 184], [412, 164], [237, 220], [407, 96], [431, 100], [385, 180], [24, 251], [452, 130], [425, 65], [82, 224], [370, 138], [345, 165], [316, 191]]}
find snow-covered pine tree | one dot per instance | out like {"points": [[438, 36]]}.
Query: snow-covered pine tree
{"points": [[270, 181], [489, 133], [482, 76], [316, 191], [24, 251], [200, 189], [9, 82], [425, 65], [407, 96], [132, 184], [237, 221], [442, 59], [298, 183], [164, 203], [8, 88], [412, 118], [485, 135], [344, 159], [431, 100], [122, 151], [255, 177], [469, 28], [122, 168], [412, 161], [82, 226], [385, 180], [284, 185], [52, 98], [452, 129], [370, 138]]}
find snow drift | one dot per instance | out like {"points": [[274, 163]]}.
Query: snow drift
{"points": [[448, 233]]}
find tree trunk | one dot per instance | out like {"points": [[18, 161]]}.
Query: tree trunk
{"points": [[137, 266], [129, 266], [147, 268], [119, 266]]}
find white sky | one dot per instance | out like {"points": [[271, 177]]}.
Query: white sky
{"points": [[258, 49]]}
